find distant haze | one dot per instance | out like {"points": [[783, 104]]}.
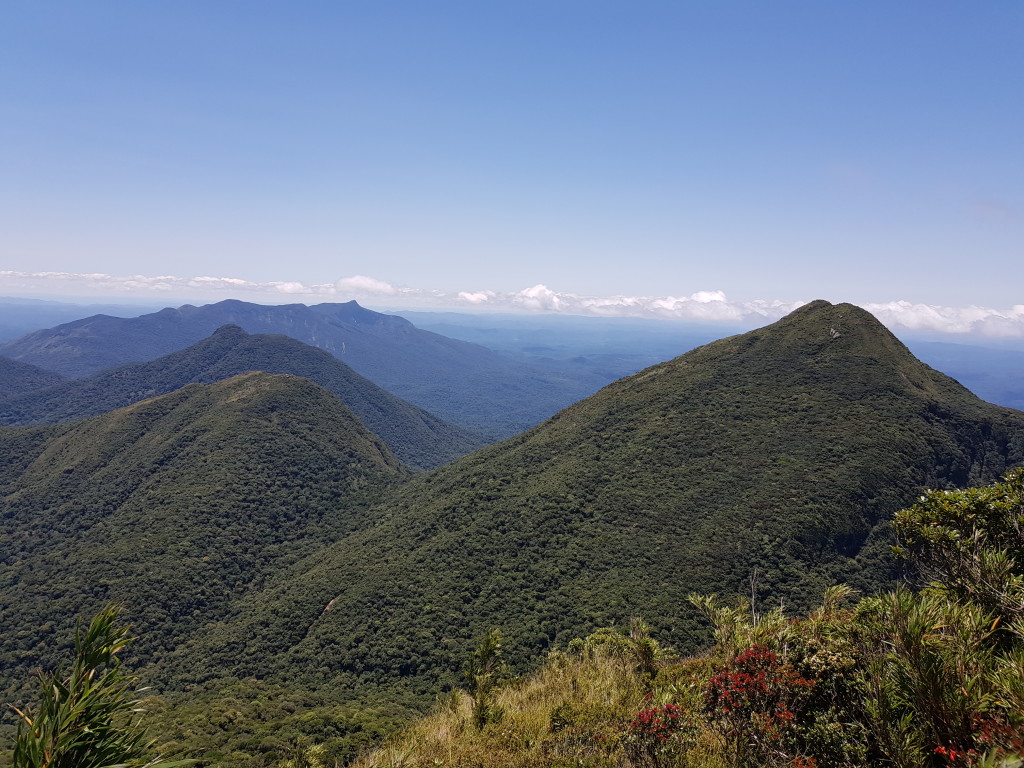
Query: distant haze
{"points": [[707, 306]]}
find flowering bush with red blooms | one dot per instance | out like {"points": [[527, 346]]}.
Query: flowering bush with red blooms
{"points": [[992, 737], [954, 757], [756, 699], [659, 734]]}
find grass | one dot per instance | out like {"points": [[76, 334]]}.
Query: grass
{"points": [[575, 711]]}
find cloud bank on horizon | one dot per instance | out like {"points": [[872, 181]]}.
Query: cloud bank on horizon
{"points": [[701, 306]]}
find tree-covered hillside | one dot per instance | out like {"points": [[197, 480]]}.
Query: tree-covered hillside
{"points": [[284, 585], [175, 507], [768, 462], [417, 437], [17, 378], [932, 679]]}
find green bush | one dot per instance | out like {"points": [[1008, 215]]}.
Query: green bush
{"points": [[87, 716]]}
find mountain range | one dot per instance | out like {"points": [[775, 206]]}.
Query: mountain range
{"points": [[261, 536], [464, 383], [417, 437], [772, 459]]}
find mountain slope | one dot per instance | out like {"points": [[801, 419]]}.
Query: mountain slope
{"points": [[766, 462], [17, 378], [461, 382], [418, 438], [175, 507]]}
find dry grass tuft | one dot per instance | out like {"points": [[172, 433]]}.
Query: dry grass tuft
{"points": [[572, 712]]}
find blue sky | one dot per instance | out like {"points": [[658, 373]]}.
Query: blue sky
{"points": [[779, 151]]}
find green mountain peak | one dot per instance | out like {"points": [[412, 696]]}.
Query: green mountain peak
{"points": [[175, 507], [774, 457]]}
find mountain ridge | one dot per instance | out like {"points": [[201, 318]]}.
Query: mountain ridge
{"points": [[461, 382], [418, 437], [776, 455], [17, 378], [174, 506]]}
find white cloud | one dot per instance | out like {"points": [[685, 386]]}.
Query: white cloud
{"points": [[291, 288], [476, 297], [539, 297], [711, 306], [364, 284], [704, 297], [982, 321]]}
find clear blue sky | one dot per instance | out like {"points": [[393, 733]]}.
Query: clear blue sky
{"points": [[863, 151]]}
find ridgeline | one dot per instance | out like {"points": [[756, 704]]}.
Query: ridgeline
{"points": [[769, 462], [417, 437]]}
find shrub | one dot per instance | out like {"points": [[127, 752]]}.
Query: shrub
{"points": [[659, 735], [755, 699], [87, 717]]}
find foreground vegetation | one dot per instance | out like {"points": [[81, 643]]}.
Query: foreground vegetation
{"points": [[904, 678], [86, 716]]}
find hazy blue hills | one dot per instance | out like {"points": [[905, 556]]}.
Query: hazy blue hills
{"points": [[417, 437], [175, 507], [461, 382], [777, 455], [19, 316], [996, 375]]}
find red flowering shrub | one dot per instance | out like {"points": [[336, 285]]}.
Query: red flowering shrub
{"points": [[755, 699], [658, 735], [991, 736]]}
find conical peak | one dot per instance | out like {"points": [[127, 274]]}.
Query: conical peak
{"points": [[820, 309], [229, 331], [821, 322], [812, 306], [839, 348]]}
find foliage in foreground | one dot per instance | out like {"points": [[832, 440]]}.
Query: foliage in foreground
{"points": [[933, 678], [87, 717]]}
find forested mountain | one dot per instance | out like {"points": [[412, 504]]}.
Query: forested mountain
{"points": [[174, 507], [17, 378], [461, 382], [254, 530], [766, 462], [418, 438]]}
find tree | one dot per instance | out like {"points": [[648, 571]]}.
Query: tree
{"points": [[971, 544], [87, 717], [481, 672], [945, 677]]}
